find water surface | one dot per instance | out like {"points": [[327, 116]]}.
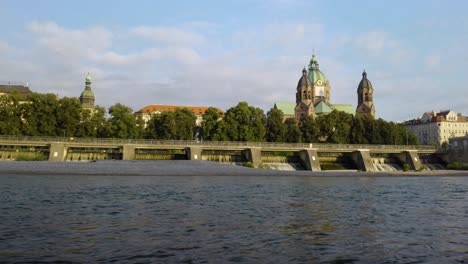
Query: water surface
{"points": [[197, 219]]}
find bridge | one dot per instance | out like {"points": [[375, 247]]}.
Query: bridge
{"points": [[308, 154]]}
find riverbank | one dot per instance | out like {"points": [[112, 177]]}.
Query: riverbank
{"points": [[180, 168]]}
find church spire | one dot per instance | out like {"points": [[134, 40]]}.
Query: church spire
{"points": [[87, 96]]}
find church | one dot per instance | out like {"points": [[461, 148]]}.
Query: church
{"points": [[87, 96], [313, 96]]}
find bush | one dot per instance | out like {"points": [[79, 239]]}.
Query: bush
{"points": [[31, 157], [248, 164], [457, 166], [331, 166], [422, 168], [406, 167]]}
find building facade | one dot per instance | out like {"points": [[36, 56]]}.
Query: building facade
{"points": [[313, 96], [87, 96], [437, 128], [22, 90], [147, 112]]}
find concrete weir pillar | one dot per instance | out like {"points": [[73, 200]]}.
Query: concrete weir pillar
{"points": [[253, 155], [57, 152], [193, 153], [128, 152], [363, 160], [412, 158], [309, 158]]}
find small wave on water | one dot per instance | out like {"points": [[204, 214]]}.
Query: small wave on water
{"points": [[198, 219]]}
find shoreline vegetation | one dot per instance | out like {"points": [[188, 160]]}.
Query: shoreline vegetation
{"points": [[184, 168]]}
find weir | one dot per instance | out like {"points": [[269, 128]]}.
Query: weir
{"points": [[313, 157]]}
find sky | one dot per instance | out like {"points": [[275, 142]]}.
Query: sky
{"points": [[218, 53]]}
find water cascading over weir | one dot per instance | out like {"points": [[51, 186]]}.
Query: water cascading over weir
{"points": [[278, 156]]}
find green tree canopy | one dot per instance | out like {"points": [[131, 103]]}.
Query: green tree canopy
{"points": [[68, 116], [293, 132], [122, 122], [212, 125], [275, 127], [93, 123], [309, 130], [10, 112], [177, 125], [245, 123], [40, 115]]}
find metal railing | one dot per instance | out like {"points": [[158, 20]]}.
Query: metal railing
{"points": [[186, 143]]}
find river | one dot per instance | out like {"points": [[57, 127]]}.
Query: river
{"points": [[229, 219]]}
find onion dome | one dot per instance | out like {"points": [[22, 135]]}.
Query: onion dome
{"points": [[88, 78], [365, 84], [87, 93], [304, 80], [87, 96], [316, 77]]}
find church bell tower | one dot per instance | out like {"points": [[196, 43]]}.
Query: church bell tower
{"points": [[87, 96], [365, 97]]}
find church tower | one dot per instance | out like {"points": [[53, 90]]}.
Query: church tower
{"points": [[365, 97], [320, 83], [304, 104], [313, 92], [87, 96]]}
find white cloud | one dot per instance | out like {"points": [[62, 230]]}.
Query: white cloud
{"points": [[169, 35], [375, 43], [4, 47], [288, 36], [260, 65], [181, 56], [433, 60], [63, 41]]}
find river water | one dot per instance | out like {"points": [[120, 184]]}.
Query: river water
{"points": [[209, 219]]}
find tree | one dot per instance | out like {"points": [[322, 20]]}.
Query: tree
{"points": [[10, 112], [177, 125], [212, 124], [342, 123], [245, 123], [293, 133], [185, 124], [161, 126], [40, 115], [372, 133], [309, 130], [93, 123], [275, 128], [68, 116], [358, 131], [122, 122]]}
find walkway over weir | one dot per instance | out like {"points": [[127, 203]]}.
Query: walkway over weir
{"points": [[57, 148]]}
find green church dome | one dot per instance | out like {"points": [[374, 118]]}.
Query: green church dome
{"points": [[87, 93], [316, 77]]}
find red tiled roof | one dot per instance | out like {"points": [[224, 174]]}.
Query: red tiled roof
{"points": [[197, 110]]}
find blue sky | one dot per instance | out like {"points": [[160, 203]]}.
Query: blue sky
{"points": [[217, 53]]}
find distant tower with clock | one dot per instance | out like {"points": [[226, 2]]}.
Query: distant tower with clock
{"points": [[313, 96], [365, 97], [313, 90]]}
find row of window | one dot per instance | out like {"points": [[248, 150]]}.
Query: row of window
{"points": [[456, 125]]}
